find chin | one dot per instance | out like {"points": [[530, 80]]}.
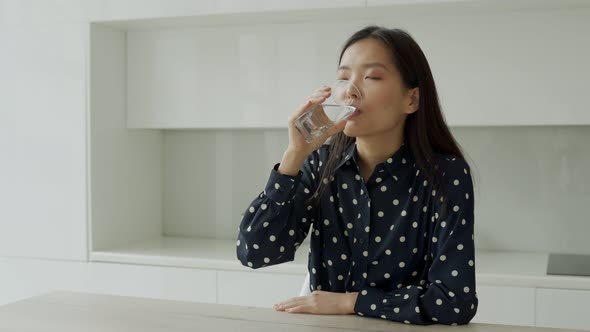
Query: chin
{"points": [[352, 130]]}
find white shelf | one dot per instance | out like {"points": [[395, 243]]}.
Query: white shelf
{"points": [[522, 269], [511, 269], [199, 253]]}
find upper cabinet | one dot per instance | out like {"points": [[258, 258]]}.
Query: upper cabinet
{"points": [[251, 76], [251, 66]]}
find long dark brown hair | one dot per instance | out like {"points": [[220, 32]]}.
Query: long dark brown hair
{"points": [[425, 131]]}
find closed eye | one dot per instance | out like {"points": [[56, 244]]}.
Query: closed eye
{"points": [[373, 78]]}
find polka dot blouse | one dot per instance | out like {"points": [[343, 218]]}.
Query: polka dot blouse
{"points": [[385, 238]]}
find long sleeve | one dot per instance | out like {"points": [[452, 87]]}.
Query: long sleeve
{"points": [[448, 296], [279, 219]]}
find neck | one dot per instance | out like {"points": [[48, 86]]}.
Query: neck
{"points": [[373, 150]]}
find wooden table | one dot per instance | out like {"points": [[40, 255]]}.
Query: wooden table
{"points": [[82, 312]]}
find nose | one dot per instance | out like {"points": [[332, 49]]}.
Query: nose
{"points": [[353, 93]]}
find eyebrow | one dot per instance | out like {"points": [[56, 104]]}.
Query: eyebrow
{"points": [[366, 65]]}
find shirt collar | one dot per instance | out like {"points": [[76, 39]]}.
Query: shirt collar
{"points": [[402, 157]]}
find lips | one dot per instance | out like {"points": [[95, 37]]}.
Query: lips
{"points": [[355, 113]]}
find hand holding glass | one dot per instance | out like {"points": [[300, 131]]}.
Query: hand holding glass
{"points": [[344, 99]]}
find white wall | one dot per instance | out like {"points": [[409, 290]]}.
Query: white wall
{"points": [[42, 134], [532, 186]]}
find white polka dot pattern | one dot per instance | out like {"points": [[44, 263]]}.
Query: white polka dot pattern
{"points": [[404, 244]]}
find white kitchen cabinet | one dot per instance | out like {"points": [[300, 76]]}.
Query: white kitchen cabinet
{"points": [[251, 70], [505, 305], [171, 283], [124, 166], [244, 76], [23, 278], [43, 140], [185, 187], [562, 308], [256, 288], [155, 84]]}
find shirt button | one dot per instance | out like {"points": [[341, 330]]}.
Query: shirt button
{"points": [[361, 241]]}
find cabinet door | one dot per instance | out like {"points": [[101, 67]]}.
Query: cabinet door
{"points": [[254, 79], [43, 140], [168, 283], [505, 305], [257, 289], [562, 308], [24, 278]]}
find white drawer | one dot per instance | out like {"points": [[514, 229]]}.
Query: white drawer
{"points": [[24, 278], [169, 283], [506, 305], [256, 288], [561, 308]]}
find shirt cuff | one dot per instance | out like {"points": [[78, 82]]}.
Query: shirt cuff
{"points": [[280, 187], [367, 301]]}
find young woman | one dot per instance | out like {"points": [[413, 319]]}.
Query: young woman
{"points": [[389, 200]]}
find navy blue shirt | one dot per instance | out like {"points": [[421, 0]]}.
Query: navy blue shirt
{"points": [[384, 238]]}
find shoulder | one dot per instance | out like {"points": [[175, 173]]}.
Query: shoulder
{"points": [[456, 174], [452, 166], [457, 184]]}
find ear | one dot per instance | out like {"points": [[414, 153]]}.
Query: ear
{"points": [[413, 100]]}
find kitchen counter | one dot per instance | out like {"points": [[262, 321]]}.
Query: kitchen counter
{"points": [[69, 312], [493, 268]]}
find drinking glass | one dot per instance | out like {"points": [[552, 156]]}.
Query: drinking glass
{"points": [[344, 99]]}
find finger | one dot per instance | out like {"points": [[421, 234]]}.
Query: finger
{"points": [[322, 91], [298, 309], [295, 299], [281, 305], [302, 109], [304, 106], [291, 303], [318, 99], [318, 94], [308, 105]]}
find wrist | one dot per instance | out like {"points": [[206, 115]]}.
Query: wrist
{"points": [[291, 163], [351, 302]]}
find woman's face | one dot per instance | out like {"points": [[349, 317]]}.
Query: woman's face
{"points": [[385, 100]]}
